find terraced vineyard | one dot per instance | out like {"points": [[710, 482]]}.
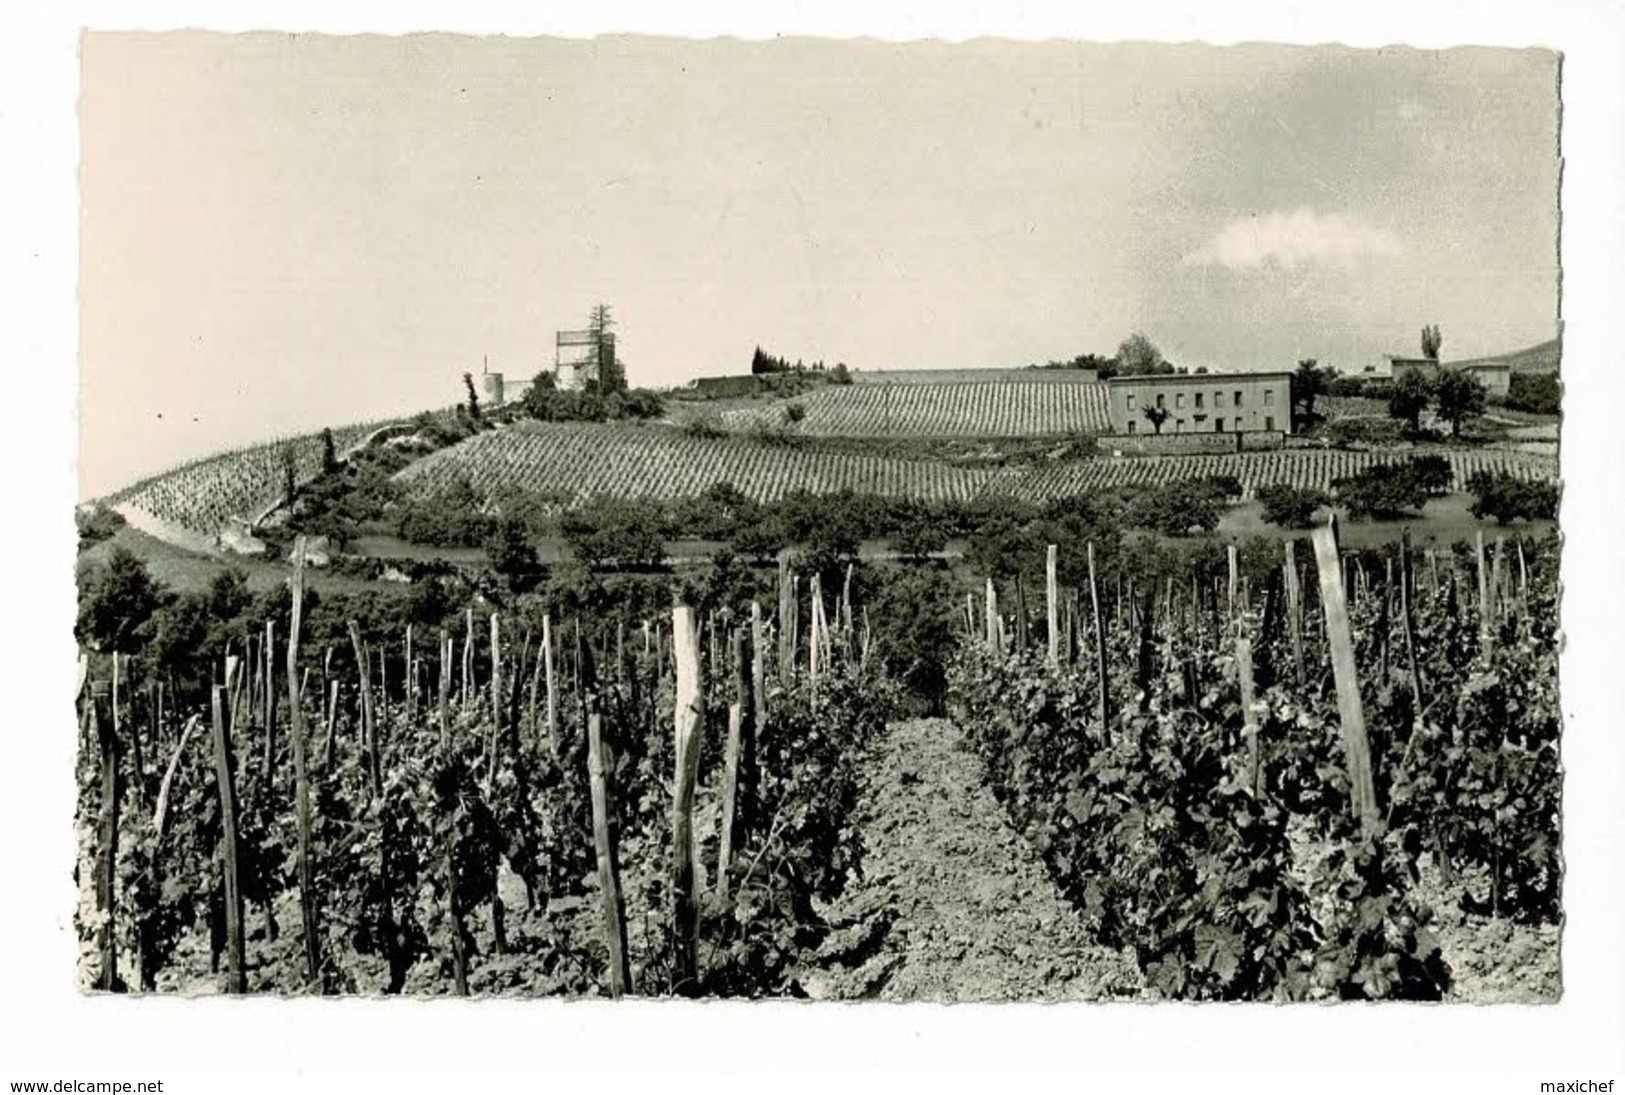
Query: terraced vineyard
{"points": [[1297, 467], [199, 497], [650, 462], [972, 409]]}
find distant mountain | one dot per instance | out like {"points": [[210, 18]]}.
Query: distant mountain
{"points": [[1535, 359]]}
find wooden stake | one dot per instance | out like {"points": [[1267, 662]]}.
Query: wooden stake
{"points": [[730, 770], [1249, 720], [369, 729], [1486, 607], [301, 774], [1100, 642], [107, 858], [991, 614], [236, 975], [601, 776], [1294, 611], [1340, 639], [690, 689], [1052, 606], [552, 682]]}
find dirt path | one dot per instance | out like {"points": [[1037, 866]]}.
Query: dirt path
{"points": [[953, 905]]}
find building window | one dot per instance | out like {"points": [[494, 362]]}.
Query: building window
{"points": [[1198, 400], [1131, 422], [1159, 401], [1218, 399], [1179, 401], [1269, 422], [1269, 397], [1218, 425], [1179, 425], [1238, 398], [1130, 398]]}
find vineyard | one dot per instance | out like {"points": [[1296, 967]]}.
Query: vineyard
{"points": [[1316, 468], [1286, 796], [649, 462], [964, 409], [558, 814], [201, 496], [584, 460], [1290, 780]]}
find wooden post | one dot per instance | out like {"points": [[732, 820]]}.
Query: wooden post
{"points": [[1100, 640], [1407, 614], [1341, 642], [301, 773], [411, 679], [1249, 720], [552, 682], [1052, 606], [468, 661], [1486, 607], [1233, 589], [236, 976], [269, 700], [758, 681], [690, 689], [160, 812], [444, 704], [496, 706], [107, 978], [369, 730], [1294, 611], [730, 765], [991, 618], [332, 724], [815, 637], [601, 775]]}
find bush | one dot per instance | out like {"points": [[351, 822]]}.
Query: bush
{"points": [[96, 524], [1507, 498], [1291, 507], [794, 413], [1535, 393], [1393, 490], [1360, 432]]}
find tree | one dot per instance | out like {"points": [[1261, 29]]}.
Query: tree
{"points": [[1137, 355], [1535, 393], [1460, 396], [1431, 341], [1393, 490], [116, 603], [1506, 498], [611, 375], [473, 397], [1309, 382], [1291, 507], [840, 374], [1156, 416], [1409, 397], [330, 456], [512, 555]]}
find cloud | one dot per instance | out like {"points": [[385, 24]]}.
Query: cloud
{"points": [[1288, 240]]}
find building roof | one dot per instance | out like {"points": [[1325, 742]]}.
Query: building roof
{"points": [[1195, 378]]}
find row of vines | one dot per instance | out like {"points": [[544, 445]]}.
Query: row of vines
{"points": [[648, 462], [964, 409], [587, 809], [1264, 784]]}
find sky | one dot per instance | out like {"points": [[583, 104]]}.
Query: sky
{"points": [[281, 232]]}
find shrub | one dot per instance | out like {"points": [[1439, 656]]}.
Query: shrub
{"points": [[1507, 498], [1535, 393], [1393, 490], [1291, 507]]}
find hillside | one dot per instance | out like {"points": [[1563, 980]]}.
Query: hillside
{"points": [[1012, 408], [1544, 358], [657, 462], [199, 497]]}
